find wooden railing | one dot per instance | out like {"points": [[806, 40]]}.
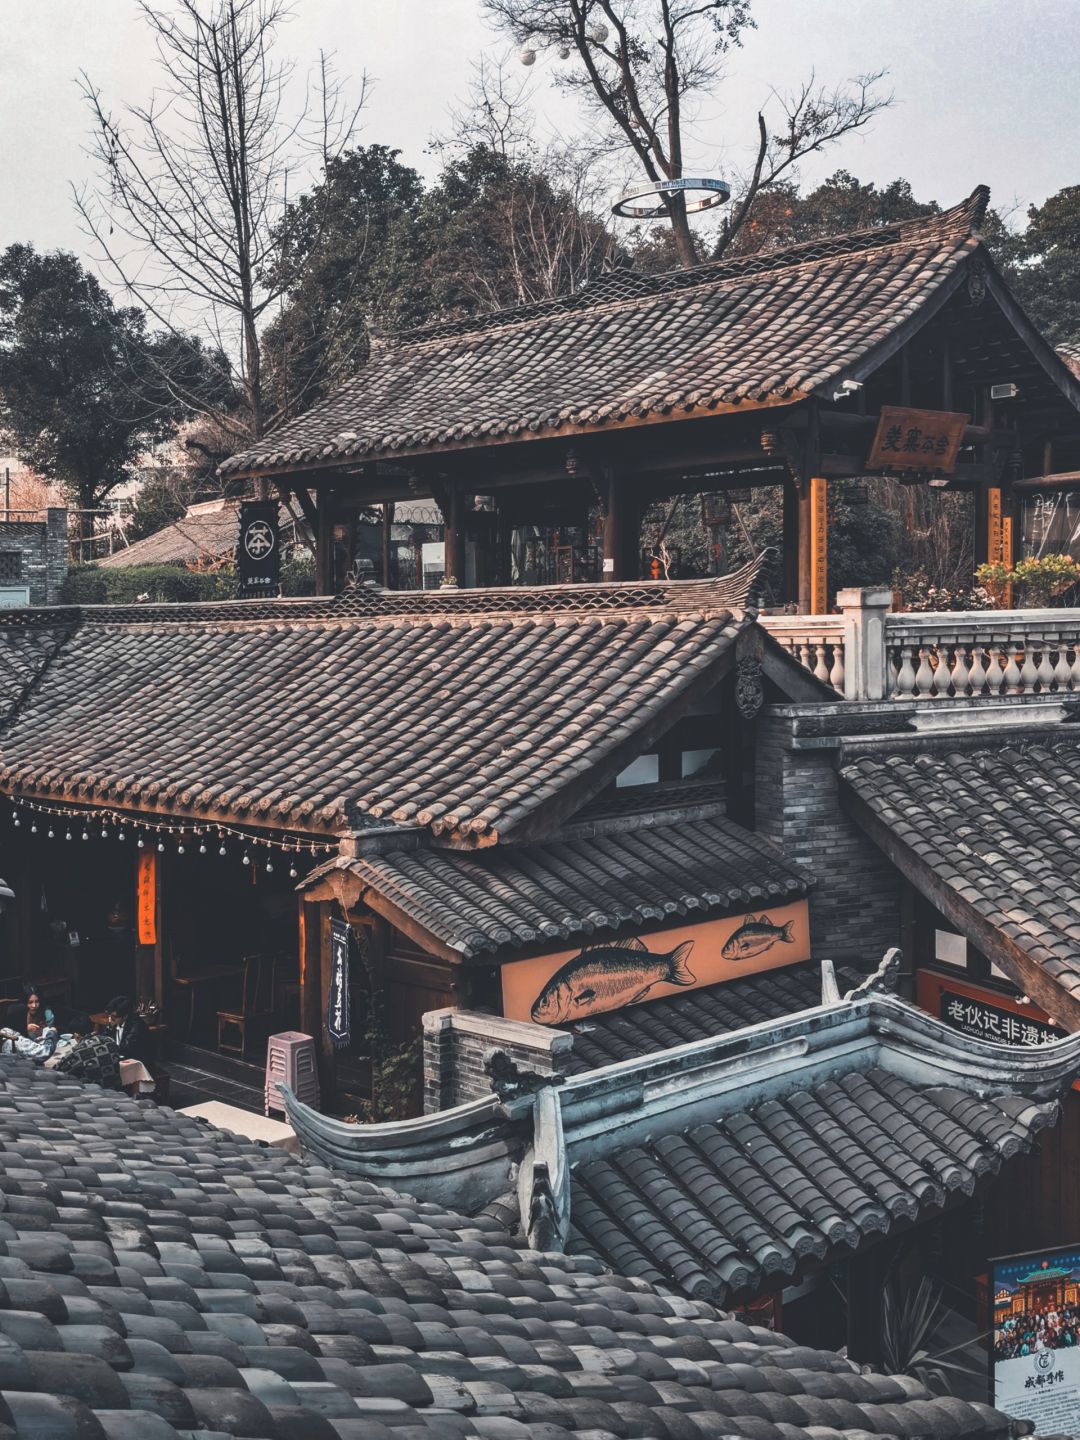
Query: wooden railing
{"points": [[816, 641], [866, 654]]}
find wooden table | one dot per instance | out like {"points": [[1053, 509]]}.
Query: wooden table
{"points": [[202, 977]]}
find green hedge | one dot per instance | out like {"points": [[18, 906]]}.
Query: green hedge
{"points": [[91, 585]]}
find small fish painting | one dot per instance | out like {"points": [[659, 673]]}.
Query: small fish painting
{"points": [[606, 977], [755, 935]]}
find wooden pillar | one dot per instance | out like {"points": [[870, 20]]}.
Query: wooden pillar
{"points": [[982, 524], [388, 544], [310, 966], [612, 567], [629, 540], [814, 547], [454, 535], [324, 543], [790, 582]]}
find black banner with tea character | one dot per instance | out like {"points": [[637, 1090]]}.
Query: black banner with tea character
{"points": [[258, 551], [338, 1019]]}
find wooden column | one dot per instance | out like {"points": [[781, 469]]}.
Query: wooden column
{"points": [[454, 535], [310, 966], [790, 582], [388, 544], [629, 540], [982, 524], [324, 543], [814, 547], [866, 1276], [611, 568]]}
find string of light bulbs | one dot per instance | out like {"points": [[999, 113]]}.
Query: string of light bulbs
{"points": [[199, 837]]}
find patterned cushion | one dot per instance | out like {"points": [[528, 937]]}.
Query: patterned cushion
{"points": [[96, 1059]]}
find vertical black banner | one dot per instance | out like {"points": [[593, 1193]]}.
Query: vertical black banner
{"points": [[258, 550], [338, 1019]]}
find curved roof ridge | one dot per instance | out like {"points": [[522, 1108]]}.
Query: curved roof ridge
{"points": [[959, 222]]}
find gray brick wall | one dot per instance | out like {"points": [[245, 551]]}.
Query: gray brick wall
{"points": [[35, 554], [855, 905], [457, 1044]]}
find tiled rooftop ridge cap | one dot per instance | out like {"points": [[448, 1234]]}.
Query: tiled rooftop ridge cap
{"points": [[366, 601], [960, 222]]}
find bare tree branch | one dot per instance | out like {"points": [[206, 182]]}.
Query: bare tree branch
{"points": [[191, 213]]}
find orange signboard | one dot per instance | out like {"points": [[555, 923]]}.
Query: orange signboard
{"points": [[146, 897], [916, 440], [566, 986]]}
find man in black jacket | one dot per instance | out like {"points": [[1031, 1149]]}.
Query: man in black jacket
{"points": [[133, 1037]]}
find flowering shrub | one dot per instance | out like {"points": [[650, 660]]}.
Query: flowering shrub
{"points": [[919, 595], [1040, 579]]}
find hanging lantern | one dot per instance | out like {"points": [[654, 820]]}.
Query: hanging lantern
{"points": [[598, 33], [564, 52], [527, 56]]}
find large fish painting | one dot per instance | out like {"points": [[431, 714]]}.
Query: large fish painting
{"points": [[606, 977], [755, 935]]}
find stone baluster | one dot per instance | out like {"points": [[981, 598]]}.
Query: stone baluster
{"points": [[905, 675], [977, 673], [1062, 668], [1012, 672], [1029, 670], [836, 673], [942, 673], [961, 673], [821, 668], [1044, 671], [994, 670], [924, 675]]}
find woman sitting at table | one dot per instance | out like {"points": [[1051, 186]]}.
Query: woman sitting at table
{"points": [[133, 1037], [87, 1056], [30, 1027]]}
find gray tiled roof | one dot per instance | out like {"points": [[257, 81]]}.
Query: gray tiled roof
{"points": [[209, 529], [761, 330], [638, 1030], [999, 827], [160, 1279], [462, 711], [512, 896], [721, 1208]]}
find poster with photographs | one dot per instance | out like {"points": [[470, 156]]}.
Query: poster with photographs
{"points": [[1035, 1363]]}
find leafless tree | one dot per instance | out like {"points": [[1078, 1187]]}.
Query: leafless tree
{"points": [[641, 65], [193, 205], [544, 216]]}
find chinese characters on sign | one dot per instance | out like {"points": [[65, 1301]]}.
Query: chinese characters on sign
{"points": [[146, 896], [988, 1022], [338, 1019], [917, 440], [258, 553], [819, 546]]}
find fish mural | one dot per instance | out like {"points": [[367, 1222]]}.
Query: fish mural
{"points": [[606, 977], [755, 935]]}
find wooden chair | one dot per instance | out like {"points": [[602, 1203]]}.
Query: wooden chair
{"points": [[256, 1003]]}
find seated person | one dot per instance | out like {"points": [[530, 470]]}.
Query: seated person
{"points": [[30, 1028], [133, 1037], [88, 1056]]}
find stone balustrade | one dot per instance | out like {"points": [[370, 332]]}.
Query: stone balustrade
{"points": [[816, 641], [992, 653], [868, 654]]}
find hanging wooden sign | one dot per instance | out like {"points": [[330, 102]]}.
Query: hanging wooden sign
{"points": [[917, 440], [146, 897]]}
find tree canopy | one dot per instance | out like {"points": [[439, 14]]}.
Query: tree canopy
{"points": [[84, 388]]}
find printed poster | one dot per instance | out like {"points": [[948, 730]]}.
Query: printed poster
{"points": [[566, 986], [1035, 1366]]}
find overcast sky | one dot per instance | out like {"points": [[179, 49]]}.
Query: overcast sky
{"points": [[986, 90]]}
